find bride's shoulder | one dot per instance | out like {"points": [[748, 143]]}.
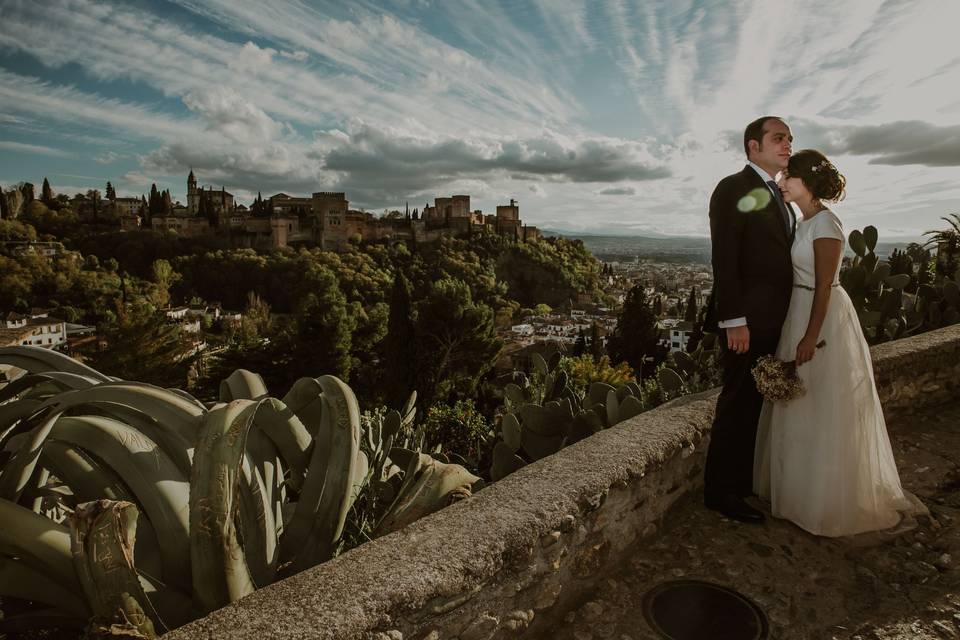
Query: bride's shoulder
{"points": [[828, 224]]}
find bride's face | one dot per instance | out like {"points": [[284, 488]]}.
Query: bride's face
{"points": [[792, 188]]}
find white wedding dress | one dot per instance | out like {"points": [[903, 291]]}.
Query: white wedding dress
{"points": [[824, 460]]}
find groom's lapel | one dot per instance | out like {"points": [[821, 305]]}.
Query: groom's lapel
{"points": [[754, 181]]}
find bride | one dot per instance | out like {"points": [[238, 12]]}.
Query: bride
{"points": [[824, 460]]}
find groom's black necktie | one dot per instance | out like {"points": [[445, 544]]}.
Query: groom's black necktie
{"points": [[784, 212]]}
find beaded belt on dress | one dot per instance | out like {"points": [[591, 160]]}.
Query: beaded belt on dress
{"points": [[803, 286]]}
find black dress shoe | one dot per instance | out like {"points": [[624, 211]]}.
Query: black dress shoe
{"points": [[734, 507]]}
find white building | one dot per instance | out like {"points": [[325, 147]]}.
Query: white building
{"points": [[37, 329], [525, 330], [680, 335]]}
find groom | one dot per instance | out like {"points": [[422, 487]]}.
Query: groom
{"points": [[752, 280]]}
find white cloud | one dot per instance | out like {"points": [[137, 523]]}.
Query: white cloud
{"points": [[617, 191], [408, 100], [109, 157], [20, 147], [136, 178], [229, 114]]}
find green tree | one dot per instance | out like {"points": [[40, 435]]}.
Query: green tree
{"points": [[163, 277], [16, 230], [457, 340], [597, 350], [459, 430], [46, 193], [399, 348], [256, 320], [324, 327], [690, 311], [110, 192], [636, 334], [141, 345]]}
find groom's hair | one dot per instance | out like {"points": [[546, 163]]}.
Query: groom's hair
{"points": [[754, 131]]}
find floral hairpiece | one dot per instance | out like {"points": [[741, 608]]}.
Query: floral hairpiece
{"points": [[823, 165]]}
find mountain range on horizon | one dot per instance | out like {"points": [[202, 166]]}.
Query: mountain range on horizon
{"points": [[676, 249]]}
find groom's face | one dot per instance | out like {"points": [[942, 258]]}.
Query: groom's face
{"points": [[775, 146]]}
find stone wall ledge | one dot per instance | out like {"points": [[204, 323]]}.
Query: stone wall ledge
{"points": [[511, 560]]}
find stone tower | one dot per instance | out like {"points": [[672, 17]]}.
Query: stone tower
{"points": [[193, 197]]}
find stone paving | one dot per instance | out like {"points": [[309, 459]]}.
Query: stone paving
{"points": [[870, 587]]}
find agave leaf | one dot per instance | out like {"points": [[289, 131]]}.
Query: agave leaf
{"points": [[61, 381], [152, 477], [39, 542], [287, 432], [325, 500], [304, 400], [21, 581], [220, 571], [169, 441], [183, 394], [360, 472], [17, 472], [257, 524], [40, 360], [242, 385], [86, 476], [437, 485], [39, 621], [102, 537], [173, 413], [11, 414], [409, 408]]}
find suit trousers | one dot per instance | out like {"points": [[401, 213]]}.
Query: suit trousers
{"points": [[729, 465]]}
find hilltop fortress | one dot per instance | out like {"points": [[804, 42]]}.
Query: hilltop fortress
{"points": [[324, 219]]}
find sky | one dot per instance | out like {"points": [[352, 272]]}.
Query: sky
{"points": [[597, 116]]}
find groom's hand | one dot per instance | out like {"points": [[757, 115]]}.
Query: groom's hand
{"points": [[738, 339]]}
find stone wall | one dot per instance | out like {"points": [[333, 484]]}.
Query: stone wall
{"points": [[510, 561]]}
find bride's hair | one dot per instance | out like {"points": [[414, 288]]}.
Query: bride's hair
{"points": [[818, 174]]}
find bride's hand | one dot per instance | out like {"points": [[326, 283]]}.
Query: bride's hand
{"points": [[805, 350]]}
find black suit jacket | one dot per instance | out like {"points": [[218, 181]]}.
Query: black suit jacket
{"points": [[752, 270]]}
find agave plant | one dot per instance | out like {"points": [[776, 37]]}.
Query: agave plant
{"points": [[138, 509]]}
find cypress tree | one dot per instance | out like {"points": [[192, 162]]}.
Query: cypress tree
{"points": [[399, 345], [636, 334], [46, 193], [111, 194], [155, 206], [580, 346], [597, 350], [690, 312]]}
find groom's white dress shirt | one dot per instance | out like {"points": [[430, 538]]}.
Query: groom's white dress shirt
{"points": [[766, 177]]}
